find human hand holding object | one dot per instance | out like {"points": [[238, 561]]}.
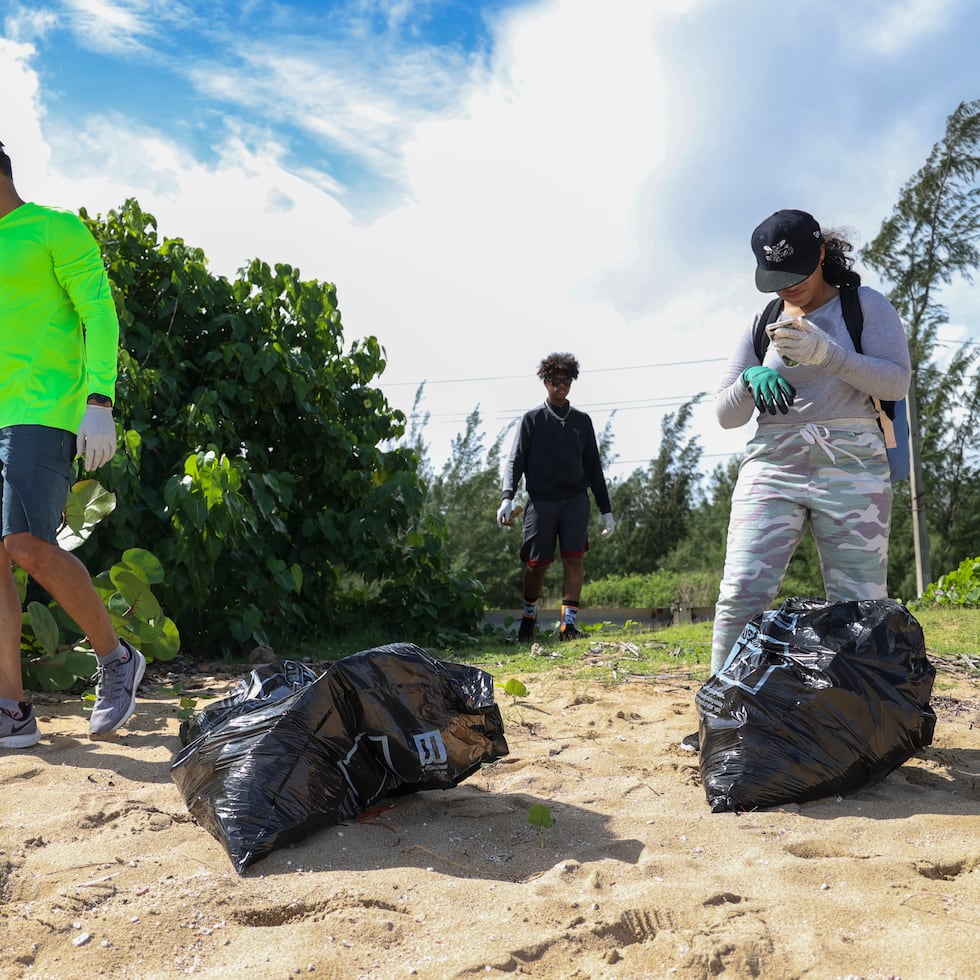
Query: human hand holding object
{"points": [[801, 341]]}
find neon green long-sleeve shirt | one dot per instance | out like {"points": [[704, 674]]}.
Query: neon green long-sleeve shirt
{"points": [[59, 334]]}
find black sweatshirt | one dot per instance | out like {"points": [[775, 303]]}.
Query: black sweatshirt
{"points": [[556, 460]]}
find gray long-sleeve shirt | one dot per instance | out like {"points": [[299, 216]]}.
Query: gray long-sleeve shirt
{"points": [[838, 389]]}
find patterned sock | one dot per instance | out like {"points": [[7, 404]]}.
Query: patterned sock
{"points": [[569, 612], [11, 706], [113, 655], [531, 608]]}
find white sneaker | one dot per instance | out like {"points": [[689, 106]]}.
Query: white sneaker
{"points": [[18, 733], [691, 743]]}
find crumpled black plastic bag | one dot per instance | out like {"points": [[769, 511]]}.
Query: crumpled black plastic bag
{"points": [[290, 752], [816, 699], [265, 685]]}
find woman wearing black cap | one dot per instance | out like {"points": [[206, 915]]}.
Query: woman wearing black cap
{"points": [[817, 457]]}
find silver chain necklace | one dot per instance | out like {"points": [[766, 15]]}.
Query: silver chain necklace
{"points": [[561, 421]]}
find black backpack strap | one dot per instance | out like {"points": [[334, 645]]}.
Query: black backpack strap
{"points": [[760, 339], [850, 304]]}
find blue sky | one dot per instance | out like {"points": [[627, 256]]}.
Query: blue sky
{"points": [[489, 182]]}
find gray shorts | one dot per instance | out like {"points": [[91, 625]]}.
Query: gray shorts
{"points": [[35, 477]]}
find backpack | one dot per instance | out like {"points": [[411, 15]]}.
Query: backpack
{"points": [[893, 417]]}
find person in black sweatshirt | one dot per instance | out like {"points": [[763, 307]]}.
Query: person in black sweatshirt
{"points": [[556, 452]]}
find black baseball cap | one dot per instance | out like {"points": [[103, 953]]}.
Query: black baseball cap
{"points": [[787, 250]]}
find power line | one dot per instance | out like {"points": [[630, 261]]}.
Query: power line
{"points": [[668, 401], [650, 459], [610, 370], [509, 414], [521, 377], [957, 343]]}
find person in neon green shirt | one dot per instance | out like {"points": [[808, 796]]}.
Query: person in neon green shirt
{"points": [[59, 337]]}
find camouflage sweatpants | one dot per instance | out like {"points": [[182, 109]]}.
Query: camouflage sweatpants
{"points": [[835, 478]]}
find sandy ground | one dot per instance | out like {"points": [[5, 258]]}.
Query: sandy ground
{"points": [[103, 874]]}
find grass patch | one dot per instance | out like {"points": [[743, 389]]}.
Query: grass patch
{"points": [[609, 652], [606, 653], [951, 632]]}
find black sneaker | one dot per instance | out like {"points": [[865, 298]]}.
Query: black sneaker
{"points": [[569, 632], [691, 743], [18, 733], [525, 632]]}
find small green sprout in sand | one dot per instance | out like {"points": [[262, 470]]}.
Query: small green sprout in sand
{"points": [[515, 688], [540, 816]]}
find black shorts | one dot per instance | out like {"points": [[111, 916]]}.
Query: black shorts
{"points": [[35, 479], [547, 521]]}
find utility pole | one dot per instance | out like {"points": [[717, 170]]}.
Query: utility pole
{"points": [[920, 527]]}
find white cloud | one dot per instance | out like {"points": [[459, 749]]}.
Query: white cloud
{"points": [[536, 177], [104, 26], [328, 104], [521, 206], [360, 97], [897, 24], [245, 205], [23, 113], [396, 12], [28, 23]]}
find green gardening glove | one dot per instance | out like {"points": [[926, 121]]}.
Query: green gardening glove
{"points": [[770, 390]]}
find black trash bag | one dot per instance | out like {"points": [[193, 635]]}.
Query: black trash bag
{"points": [[270, 764], [263, 686], [816, 699]]}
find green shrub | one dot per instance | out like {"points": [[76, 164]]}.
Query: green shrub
{"points": [[959, 588], [258, 458], [655, 590], [54, 651]]}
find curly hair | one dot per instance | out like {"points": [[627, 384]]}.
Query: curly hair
{"points": [[6, 169], [558, 364], [838, 261]]}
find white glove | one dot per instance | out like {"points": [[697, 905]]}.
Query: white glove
{"points": [[802, 341], [96, 437], [504, 512], [610, 524]]}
